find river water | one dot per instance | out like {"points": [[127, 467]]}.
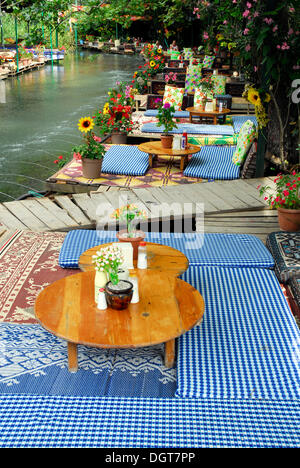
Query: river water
{"points": [[39, 112]]}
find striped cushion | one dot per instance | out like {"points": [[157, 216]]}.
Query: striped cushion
{"points": [[191, 128], [213, 162], [177, 114], [125, 160], [234, 250], [239, 120], [248, 343], [90, 422]]}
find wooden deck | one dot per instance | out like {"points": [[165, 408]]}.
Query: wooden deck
{"points": [[225, 207]]}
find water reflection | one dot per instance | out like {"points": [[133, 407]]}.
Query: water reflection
{"points": [[38, 121]]}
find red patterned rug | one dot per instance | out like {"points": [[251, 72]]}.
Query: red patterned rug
{"points": [[28, 263]]}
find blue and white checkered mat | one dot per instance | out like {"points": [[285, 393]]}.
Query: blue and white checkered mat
{"points": [[233, 250], [37, 421]]}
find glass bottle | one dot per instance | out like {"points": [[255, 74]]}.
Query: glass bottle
{"points": [[142, 263]]}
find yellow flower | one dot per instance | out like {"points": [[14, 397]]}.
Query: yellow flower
{"points": [[253, 97], [159, 51], [267, 98], [152, 63], [106, 109], [86, 124]]}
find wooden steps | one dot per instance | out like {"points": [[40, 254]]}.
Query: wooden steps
{"points": [[225, 206]]}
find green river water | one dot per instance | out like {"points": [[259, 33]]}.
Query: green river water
{"points": [[39, 112]]}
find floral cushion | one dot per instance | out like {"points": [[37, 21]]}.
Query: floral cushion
{"points": [[199, 95], [244, 142], [208, 61], [175, 54], [188, 53], [174, 96], [193, 78], [219, 82]]}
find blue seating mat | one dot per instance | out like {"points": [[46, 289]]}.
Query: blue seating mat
{"points": [[194, 129], [71, 422], [125, 160], [233, 250], [248, 343], [177, 114], [213, 162]]}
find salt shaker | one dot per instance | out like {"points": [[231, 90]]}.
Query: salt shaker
{"points": [[142, 263], [135, 296], [102, 304]]}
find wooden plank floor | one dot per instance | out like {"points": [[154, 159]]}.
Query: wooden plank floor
{"points": [[225, 206]]}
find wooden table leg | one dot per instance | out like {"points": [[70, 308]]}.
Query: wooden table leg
{"points": [[151, 159], [170, 353], [73, 357], [183, 161], [215, 120]]}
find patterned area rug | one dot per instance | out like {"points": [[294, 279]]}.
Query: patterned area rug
{"points": [[28, 263], [165, 171], [32, 361]]}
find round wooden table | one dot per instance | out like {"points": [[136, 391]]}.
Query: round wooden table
{"points": [[168, 308], [160, 258], [155, 148], [195, 111]]}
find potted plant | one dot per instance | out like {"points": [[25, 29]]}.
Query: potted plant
{"points": [[170, 78], [130, 214], [118, 292], [165, 119], [115, 120], [92, 151], [286, 200]]}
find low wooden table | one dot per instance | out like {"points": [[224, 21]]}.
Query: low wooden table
{"points": [[195, 111], [160, 258], [155, 148], [168, 308]]}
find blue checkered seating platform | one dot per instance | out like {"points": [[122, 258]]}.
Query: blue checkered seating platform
{"points": [[285, 248], [213, 162], [91, 422], [233, 250], [193, 129], [176, 114], [239, 120], [125, 160], [248, 343]]}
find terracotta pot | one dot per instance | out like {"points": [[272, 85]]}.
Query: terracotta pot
{"points": [[119, 138], [289, 220], [122, 237], [166, 141], [91, 168], [119, 299]]}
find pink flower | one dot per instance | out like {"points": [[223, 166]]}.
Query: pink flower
{"points": [[225, 22], [291, 9], [290, 32], [205, 35], [246, 31], [255, 68], [98, 139], [275, 28], [256, 14], [246, 13], [248, 47], [268, 20], [249, 5]]}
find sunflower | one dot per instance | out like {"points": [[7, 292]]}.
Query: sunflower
{"points": [[253, 97], [152, 63], [159, 50], [106, 109], [86, 124]]}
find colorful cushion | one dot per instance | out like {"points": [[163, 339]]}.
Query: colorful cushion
{"points": [[174, 96], [214, 163], [200, 95], [177, 114], [188, 53], [239, 120], [208, 61], [193, 79], [244, 143], [247, 345], [219, 82], [175, 54]]}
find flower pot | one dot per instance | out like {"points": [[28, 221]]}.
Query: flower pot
{"points": [[91, 168], [202, 105], [118, 296], [119, 138], [166, 141], [139, 237], [289, 220]]}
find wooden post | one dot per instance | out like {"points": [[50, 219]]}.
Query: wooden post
{"points": [[51, 45], [17, 47], [1, 26]]}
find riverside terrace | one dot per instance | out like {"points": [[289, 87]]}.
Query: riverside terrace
{"points": [[230, 385]]}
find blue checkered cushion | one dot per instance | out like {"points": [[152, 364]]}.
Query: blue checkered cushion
{"points": [[125, 160], [235, 250], [75, 422], [194, 129], [213, 162], [239, 120], [176, 115], [248, 343]]}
